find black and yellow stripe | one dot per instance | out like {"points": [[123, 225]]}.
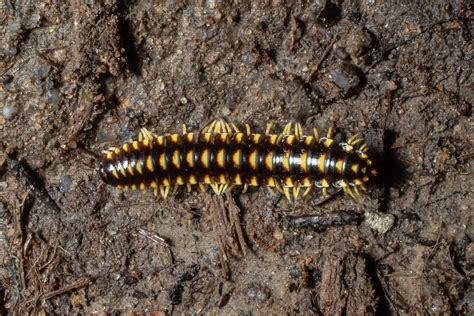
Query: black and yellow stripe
{"points": [[222, 158]]}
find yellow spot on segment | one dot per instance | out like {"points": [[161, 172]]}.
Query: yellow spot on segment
{"points": [[146, 142], [190, 137], [221, 158], [256, 138], [153, 184], [142, 186], [269, 162], [271, 181], [328, 142], [324, 183], [205, 158], [222, 178], [363, 156], [206, 137], [272, 139], [133, 186], [236, 158], [125, 147], [357, 182], [223, 137], [253, 181], [339, 165], [290, 139], [135, 145], [109, 155], [355, 168], [115, 173], [365, 179], [165, 182], [160, 140], [207, 179], [363, 170], [322, 163], [190, 158], [149, 163], [253, 160], [123, 171], [192, 179], [116, 151], [308, 140], [179, 180], [174, 138], [138, 166], [306, 182], [304, 161], [130, 169], [175, 159], [238, 179], [289, 182], [239, 137], [286, 161], [162, 161]]}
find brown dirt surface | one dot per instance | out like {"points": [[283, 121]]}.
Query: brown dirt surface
{"points": [[77, 77]]}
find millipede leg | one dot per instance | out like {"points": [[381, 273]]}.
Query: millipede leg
{"points": [[316, 134], [286, 191], [185, 129], [248, 129], [269, 127], [298, 131], [287, 129], [306, 192], [235, 128], [296, 191], [325, 192]]}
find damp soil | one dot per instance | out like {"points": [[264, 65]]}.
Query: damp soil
{"points": [[77, 77]]}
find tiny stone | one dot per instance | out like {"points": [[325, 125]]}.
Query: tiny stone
{"points": [[391, 86], [379, 222], [183, 100], [278, 235], [9, 112], [65, 182]]}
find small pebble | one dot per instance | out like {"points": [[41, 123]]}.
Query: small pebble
{"points": [[65, 183], [183, 100], [9, 112], [346, 77], [278, 235], [379, 222]]}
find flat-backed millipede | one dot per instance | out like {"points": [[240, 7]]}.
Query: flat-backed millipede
{"points": [[222, 156]]}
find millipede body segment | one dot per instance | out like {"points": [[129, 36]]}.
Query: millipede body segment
{"points": [[222, 156]]}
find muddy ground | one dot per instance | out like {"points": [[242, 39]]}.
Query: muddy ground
{"points": [[80, 76]]}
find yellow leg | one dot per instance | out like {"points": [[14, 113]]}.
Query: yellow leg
{"points": [[296, 191], [298, 131], [248, 129], [287, 129], [286, 191], [236, 130], [269, 127], [306, 192], [316, 134], [185, 129], [330, 133]]}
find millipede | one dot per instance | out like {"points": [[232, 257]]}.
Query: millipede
{"points": [[222, 156]]}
